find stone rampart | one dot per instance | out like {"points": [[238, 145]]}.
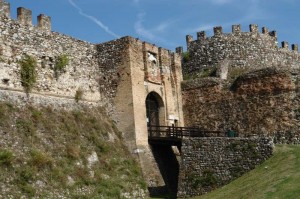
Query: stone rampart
{"points": [[261, 102], [208, 163], [20, 37], [251, 50]]}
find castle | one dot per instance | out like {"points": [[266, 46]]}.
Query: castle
{"points": [[240, 81]]}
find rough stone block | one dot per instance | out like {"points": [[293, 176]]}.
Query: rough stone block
{"points": [[4, 8], [44, 22], [24, 16]]}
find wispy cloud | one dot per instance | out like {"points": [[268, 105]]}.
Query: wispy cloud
{"points": [[140, 29], [94, 19], [152, 33], [221, 2]]}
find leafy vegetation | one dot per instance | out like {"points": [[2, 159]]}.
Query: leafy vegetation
{"points": [[185, 57], [278, 177], [78, 95], [46, 154], [6, 158], [2, 59], [28, 74], [60, 64], [208, 179], [205, 72]]}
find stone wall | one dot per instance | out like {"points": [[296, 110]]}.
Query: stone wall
{"points": [[248, 50], [208, 163], [19, 37], [262, 102], [134, 69]]}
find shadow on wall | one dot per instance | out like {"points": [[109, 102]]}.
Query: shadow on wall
{"points": [[169, 169]]}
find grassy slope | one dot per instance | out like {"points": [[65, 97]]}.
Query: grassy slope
{"points": [[44, 154], [278, 177]]}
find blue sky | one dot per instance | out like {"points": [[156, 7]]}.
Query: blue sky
{"points": [[163, 22]]}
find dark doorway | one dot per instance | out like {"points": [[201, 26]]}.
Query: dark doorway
{"points": [[163, 154], [169, 168], [152, 108]]}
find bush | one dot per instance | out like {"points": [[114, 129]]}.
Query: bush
{"points": [[61, 62], [185, 57], [28, 73], [207, 179], [40, 160], [78, 95], [25, 127], [6, 158]]}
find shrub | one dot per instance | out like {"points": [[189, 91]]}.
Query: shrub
{"points": [[73, 152], [40, 160], [207, 179], [6, 158], [61, 62], [25, 175], [185, 57], [78, 95], [28, 73], [25, 127]]}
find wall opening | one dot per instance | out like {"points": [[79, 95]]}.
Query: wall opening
{"points": [[163, 154], [155, 110], [168, 165]]}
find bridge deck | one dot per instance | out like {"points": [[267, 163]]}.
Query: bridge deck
{"points": [[171, 135]]}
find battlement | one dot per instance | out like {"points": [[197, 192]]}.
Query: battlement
{"points": [[4, 8], [160, 53], [24, 17], [237, 32]]}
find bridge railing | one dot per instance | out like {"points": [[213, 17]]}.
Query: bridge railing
{"points": [[180, 132]]}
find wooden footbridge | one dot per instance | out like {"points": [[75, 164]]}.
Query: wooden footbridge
{"points": [[171, 135]]}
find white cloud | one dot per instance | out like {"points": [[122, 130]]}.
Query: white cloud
{"points": [[140, 29], [93, 19], [221, 2], [152, 33]]}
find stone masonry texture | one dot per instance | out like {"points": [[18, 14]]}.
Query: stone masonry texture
{"points": [[260, 102], [82, 72], [248, 50], [208, 163], [240, 81], [244, 82]]}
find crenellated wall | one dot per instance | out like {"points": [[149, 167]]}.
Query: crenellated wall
{"points": [[118, 74], [20, 37], [121, 74], [248, 50]]}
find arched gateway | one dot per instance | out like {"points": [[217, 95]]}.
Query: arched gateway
{"points": [[154, 110]]}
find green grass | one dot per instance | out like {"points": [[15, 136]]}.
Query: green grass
{"points": [[278, 177]]}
